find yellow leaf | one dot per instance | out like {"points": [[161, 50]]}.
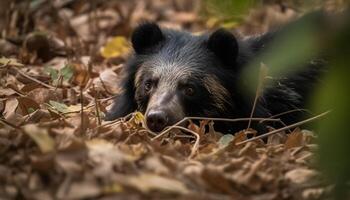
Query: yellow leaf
{"points": [[41, 137], [139, 118], [10, 61], [115, 47]]}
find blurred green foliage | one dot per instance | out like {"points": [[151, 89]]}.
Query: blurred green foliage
{"points": [[312, 34], [288, 52], [334, 136]]}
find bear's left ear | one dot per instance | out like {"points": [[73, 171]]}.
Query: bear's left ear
{"points": [[146, 36], [224, 45]]}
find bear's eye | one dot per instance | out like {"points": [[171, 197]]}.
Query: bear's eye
{"points": [[148, 86], [189, 91]]}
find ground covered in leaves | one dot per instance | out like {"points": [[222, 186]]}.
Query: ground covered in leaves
{"points": [[59, 68]]}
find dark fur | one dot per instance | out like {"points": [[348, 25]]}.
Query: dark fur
{"points": [[219, 54]]}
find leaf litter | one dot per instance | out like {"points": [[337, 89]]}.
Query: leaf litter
{"points": [[57, 84]]}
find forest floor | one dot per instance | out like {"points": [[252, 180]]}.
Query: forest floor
{"points": [[59, 68]]}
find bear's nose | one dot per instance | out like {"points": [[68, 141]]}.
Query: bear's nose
{"points": [[156, 120]]}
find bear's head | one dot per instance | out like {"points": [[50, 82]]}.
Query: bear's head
{"points": [[177, 74]]}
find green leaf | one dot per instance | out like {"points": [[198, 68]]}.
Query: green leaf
{"points": [[52, 72], [67, 72], [225, 140], [63, 108], [31, 110]]}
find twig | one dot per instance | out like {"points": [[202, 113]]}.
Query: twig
{"points": [[33, 79], [81, 110], [285, 128], [287, 112], [262, 75], [196, 144], [3, 121], [211, 119], [97, 105], [118, 120], [104, 85]]}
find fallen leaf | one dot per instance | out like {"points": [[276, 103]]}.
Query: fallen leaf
{"points": [[117, 46], [300, 175], [83, 190], [294, 139], [225, 140], [152, 182], [10, 61], [63, 108], [41, 137]]}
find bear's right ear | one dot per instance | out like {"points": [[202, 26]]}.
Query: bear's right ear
{"points": [[224, 45], [145, 37]]}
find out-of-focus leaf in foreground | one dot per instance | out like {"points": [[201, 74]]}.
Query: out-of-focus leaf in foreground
{"points": [[334, 130], [41, 137], [289, 52]]}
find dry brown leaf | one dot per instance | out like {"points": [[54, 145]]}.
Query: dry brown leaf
{"points": [[27, 105], [300, 176], [151, 182], [83, 190], [81, 74], [294, 139], [44, 95]]}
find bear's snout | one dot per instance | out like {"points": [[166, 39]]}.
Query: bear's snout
{"points": [[156, 120]]}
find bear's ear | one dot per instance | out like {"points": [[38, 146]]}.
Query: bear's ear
{"points": [[224, 45], [146, 36]]}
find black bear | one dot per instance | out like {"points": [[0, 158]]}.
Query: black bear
{"points": [[173, 74]]}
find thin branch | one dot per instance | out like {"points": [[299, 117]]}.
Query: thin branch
{"points": [[97, 109], [116, 121], [285, 128], [3, 121], [104, 85], [196, 144], [287, 112], [81, 110], [166, 130], [33, 79], [262, 75]]}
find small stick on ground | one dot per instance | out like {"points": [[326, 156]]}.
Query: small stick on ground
{"points": [[33, 79], [285, 128], [97, 105], [166, 130], [259, 88], [196, 144], [81, 110], [287, 112], [3, 121]]}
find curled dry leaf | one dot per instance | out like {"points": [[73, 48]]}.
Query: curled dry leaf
{"points": [[294, 139]]}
